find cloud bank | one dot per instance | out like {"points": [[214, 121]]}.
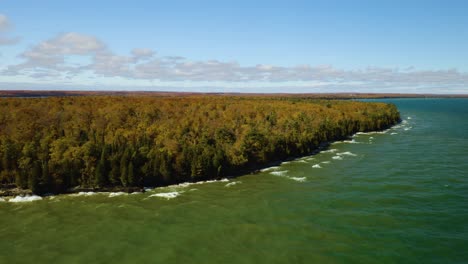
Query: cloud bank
{"points": [[72, 54]]}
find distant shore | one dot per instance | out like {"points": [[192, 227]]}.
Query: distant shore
{"points": [[56, 93]]}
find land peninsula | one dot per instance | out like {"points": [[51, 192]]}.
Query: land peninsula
{"points": [[108, 142]]}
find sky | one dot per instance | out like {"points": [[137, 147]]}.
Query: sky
{"points": [[258, 46]]}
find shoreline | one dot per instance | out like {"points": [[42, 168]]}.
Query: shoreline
{"points": [[13, 192]]}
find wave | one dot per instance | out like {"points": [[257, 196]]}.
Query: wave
{"points": [[168, 195], [2, 200], [22, 199], [317, 166], [347, 153], [325, 162], [353, 141], [337, 157], [84, 194], [269, 168], [114, 194], [279, 173], [329, 151], [299, 179], [232, 183], [394, 133]]}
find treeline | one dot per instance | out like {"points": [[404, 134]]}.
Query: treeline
{"points": [[53, 144]]}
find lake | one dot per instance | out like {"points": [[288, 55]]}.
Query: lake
{"points": [[399, 196]]}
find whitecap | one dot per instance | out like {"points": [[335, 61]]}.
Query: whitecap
{"points": [[147, 189], [114, 194], [279, 173], [285, 162], [269, 168], [22, 199], [393, 133], [299, 179], [310, 159], [407, 128], [347, 153], [409, 117], [371, 138], [337, 157], [330, 151], [347, 141], [404, 121], [84, 194], [316, 166], [301, 161], [2, 200], [168, 195], [232, 183], [325, 162]]}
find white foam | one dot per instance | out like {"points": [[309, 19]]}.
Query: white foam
{"points": [[84, 194], [22, 199], [2, 200], [114, 194], [279, 173], [393, 133], [330, 151], [310, 159], [232, 183], [147, 189], [169, 195], [371, 138], [299, 179], [325, 162], [269, 169], [347, 153], [404, 122], [316, 166], [409, 117], [347, 141], [285, 162], [135, 193], [407, 128], [337, 157]]}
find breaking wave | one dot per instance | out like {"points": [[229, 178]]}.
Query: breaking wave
{"points": [[299, 179], [279, 173], [22, 199], [232, 183], [114, 194], [317, 166], [168, 195]]}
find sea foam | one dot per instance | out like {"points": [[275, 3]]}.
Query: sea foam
{"points": [[299, 179], [114, 194], [169, 195], [337, 157], [347, 153], [316, 166], [279, 173], [232, 183], [22, 199]]}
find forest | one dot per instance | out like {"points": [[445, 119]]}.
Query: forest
{"points": [[49, 145]]}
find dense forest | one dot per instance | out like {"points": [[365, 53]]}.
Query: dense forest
{"points": [[53, 144]]}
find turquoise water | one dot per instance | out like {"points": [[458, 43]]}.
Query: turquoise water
{"points": [[394, 197]]}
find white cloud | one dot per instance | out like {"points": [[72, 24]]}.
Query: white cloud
{"points": [[52, 58], [142, 53], [5, 25]]}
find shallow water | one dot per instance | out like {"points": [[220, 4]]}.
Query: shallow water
{"points": [[398, 196]]}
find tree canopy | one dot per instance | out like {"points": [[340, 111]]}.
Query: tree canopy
{"points": [[52, 144]]}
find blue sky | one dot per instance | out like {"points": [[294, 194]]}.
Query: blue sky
{"points": [[240, 46]]}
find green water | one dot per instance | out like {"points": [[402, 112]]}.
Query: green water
{"points": [[394, 197]]}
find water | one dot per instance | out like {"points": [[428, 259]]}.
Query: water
{"points": [[394, 197]]}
